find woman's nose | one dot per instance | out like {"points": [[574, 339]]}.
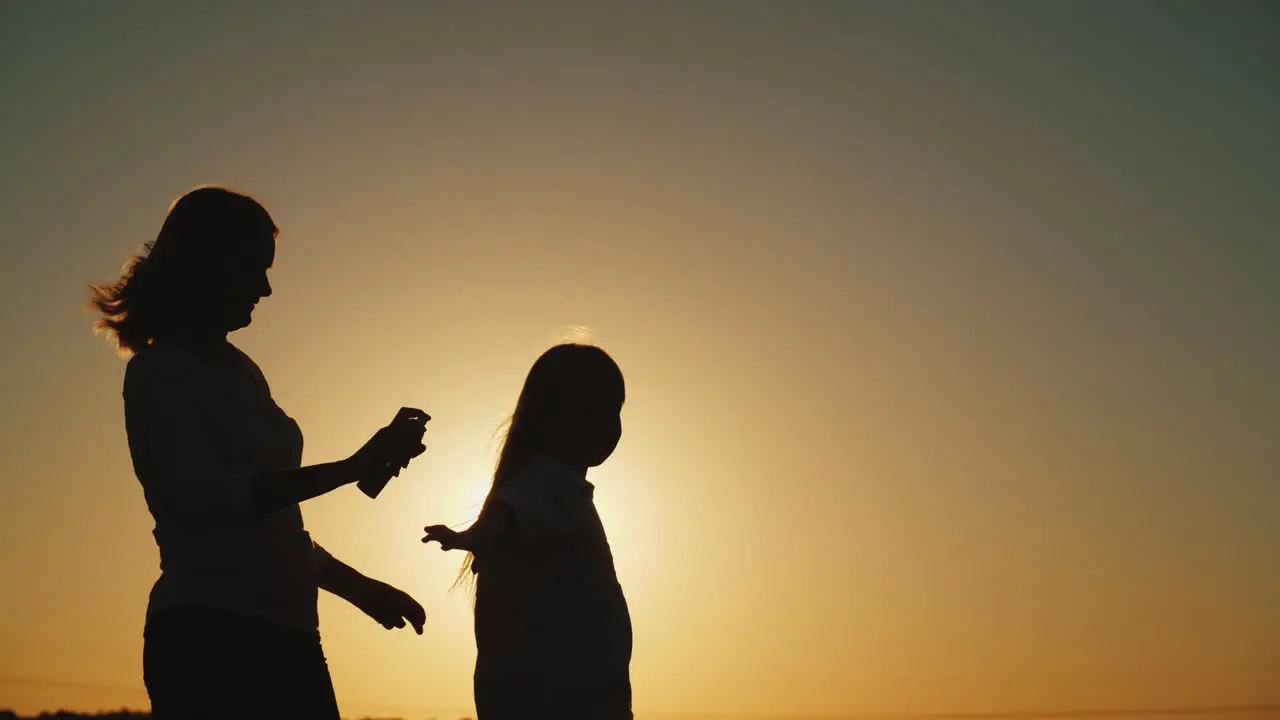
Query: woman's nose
{"points": [[265, 290]]}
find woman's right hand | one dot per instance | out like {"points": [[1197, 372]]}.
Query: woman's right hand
{"points": [[392, 447]]}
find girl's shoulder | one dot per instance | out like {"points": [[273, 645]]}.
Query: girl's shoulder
{"points": [[545, 473], [545, 497], [542, 485]]}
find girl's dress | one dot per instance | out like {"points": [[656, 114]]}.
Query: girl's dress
{"points": [[553, 633]]}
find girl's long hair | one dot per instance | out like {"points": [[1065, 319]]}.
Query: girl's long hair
{"points": [[561, 370], [156, 284]]}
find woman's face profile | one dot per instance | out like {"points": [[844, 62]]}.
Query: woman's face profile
{"points": [[241, 282]]}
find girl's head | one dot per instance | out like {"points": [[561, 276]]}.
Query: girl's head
{"points": [[569, 408], [201, 276]]}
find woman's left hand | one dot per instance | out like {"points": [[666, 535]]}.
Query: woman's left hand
{"points": [[390, 606]]}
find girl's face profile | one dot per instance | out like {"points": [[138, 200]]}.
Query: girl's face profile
{"points": [[602, 431], [585, 431]]}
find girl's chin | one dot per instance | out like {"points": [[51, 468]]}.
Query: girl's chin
{"points": [[597, 462]]}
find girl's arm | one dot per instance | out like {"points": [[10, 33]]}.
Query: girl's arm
{"points": [[484, 533]]}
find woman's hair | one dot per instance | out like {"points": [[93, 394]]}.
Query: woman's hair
{"points": [[561, 371], [199, 229]]}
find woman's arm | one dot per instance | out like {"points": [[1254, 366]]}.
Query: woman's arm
{"points": [[391, 607], [186, 474], [268, 492], [271, 491]]}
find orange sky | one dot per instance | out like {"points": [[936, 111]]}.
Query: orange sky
{"points": [[949, 329]]}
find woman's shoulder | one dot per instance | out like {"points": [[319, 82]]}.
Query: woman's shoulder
{"points": [[161, 357], [163, 368], [158, 366], [248, 365]]}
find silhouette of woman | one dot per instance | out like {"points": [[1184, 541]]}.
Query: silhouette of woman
{"points": [[231, 627]]}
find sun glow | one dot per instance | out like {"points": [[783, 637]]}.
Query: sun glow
{"points": [[576, 334], [474, 497]]}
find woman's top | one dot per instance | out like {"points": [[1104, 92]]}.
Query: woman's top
{"points": [[200, 430], [548, 603]]}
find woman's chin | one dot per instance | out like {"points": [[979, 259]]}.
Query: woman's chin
{"points": [[239, 323]]}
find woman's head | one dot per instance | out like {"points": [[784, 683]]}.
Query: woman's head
{"points": [[201, 276], [569, 408]]}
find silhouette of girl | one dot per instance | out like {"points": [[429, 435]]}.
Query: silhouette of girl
{"points": [[231, 628], [553, 632]]}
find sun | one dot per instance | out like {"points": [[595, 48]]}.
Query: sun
{"points": [[473, 498], [625, 505]]}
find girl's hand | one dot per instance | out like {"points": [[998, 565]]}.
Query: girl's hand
{"points": [[389, 606], [448, 538]]}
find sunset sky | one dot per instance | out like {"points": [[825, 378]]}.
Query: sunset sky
{"points": [[951, 329]]}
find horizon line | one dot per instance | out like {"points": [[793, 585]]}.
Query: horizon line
{"points": [[1042, 714]]}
